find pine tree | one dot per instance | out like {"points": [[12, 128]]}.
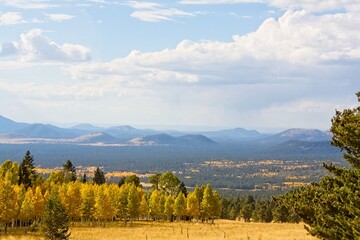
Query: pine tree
{"points": [[331, 208], [27, 172], [55, 221], [69, 172], [99, 177], [84, 178], [133, 179]]}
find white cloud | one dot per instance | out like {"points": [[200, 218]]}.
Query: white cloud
{"points": [[291, 48], [30, 4], [10, 18], [154, 12], [319, 5], [36, 47], [59, 17]]}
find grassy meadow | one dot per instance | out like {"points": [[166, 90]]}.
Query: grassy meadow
{"points": [[222, 229]]}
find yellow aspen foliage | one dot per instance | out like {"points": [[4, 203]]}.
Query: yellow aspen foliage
{"points": [[144, 207], [39, 203], [180, 205], [112, 190], [87, 206], [122, 203], [103, 209], [154, 204], [192, 205], [169, 207], [72, 201], [7, 202], [27, 210], [133, 202]]}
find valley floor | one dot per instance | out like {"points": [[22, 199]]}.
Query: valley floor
{"points": [[222, 229]]}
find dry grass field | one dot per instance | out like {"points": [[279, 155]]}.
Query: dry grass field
{"points": [[222, 229]]}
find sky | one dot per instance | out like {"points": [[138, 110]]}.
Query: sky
{"points": [[256, 64]]}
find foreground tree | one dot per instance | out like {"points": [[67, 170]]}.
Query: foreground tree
{"points": [[332, 207], [55, 221]]}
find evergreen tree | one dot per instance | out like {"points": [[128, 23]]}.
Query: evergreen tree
{"points": [[332, 207], [133, 179], [99, 177], [69, 172], [121, 181], [27, 172], [55, 221], [84, 178]]}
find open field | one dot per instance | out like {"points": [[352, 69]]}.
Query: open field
{"points": [[222, 229]]}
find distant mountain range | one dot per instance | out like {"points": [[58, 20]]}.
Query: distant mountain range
{"points": [[16, 132]]}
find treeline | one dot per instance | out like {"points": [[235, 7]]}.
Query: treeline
{"points": [[25, 196], [250, 209]]}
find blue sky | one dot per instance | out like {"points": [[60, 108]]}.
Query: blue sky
{"points": [[257, 64]]}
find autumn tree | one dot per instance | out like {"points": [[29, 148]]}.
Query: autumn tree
{"points": [[180, 206], [169, 207], [7, 203], [133, 202], [27, 210], [154, 204], [87, 207], [144, 207], [192, 205]]}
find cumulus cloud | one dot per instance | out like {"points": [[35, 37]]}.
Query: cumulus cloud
{"points": [[154, 12], [280, 50], [316, 6], [36, 47], [59, 17], [10, 18]]}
